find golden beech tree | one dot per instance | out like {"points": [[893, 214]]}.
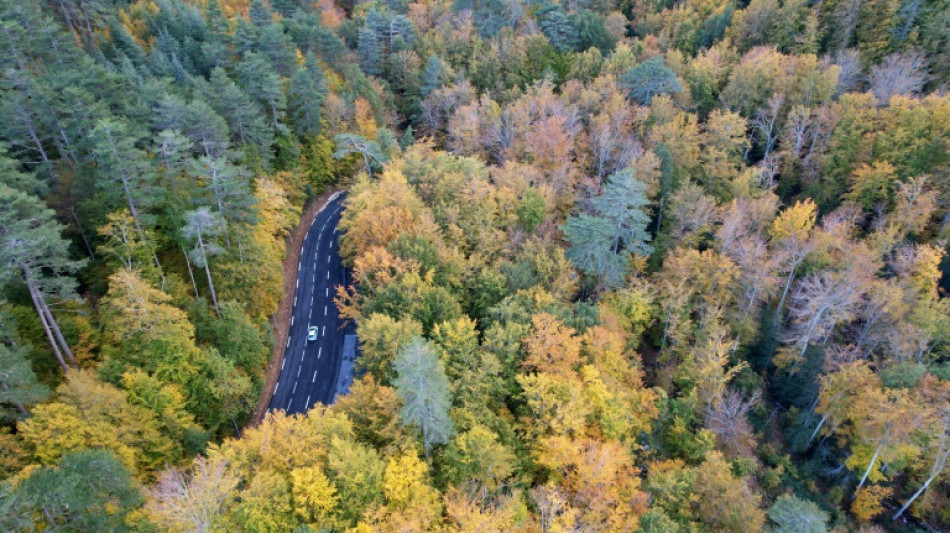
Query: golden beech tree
{"points": [[551, 347], [597, 478]]}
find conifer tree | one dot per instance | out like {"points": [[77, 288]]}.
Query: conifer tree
{"points": [[424, 389], [33, 250]]}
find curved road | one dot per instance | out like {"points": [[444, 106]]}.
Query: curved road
{"points": [[309, 370]]}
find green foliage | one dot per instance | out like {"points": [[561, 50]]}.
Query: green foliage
{"points": [[421, 384], [792, 514], [86, 491], [649, 79]]}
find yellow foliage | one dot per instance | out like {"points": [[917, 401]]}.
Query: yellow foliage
{"points": [[314, 495], [795, 222], [867, 502]]}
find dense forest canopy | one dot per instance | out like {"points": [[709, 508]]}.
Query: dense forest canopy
{"points": [[618, 265]]}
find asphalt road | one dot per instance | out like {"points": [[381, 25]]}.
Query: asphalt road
{"points": [[309, 370]]}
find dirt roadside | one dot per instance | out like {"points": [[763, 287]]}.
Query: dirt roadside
{"points": [[280, 323]]}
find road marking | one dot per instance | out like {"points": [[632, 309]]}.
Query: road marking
{"points": [[328, 274], [303, 353], [310, 313], [293, 391], [324, 310], [311, 301], [275, 387], [319, 353], [328, 259], [298, 283], [288, 342], [324, 331], [282, 364], [295, 301], [298, 267], [291, 321], [327, 292], [298, 370], [314, 377], [308, 402]]}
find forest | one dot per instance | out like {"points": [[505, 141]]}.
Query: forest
{"points": [[618, 265]]}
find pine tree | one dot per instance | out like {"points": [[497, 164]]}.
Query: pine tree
{"points": [[557, 27], [245, 120], [433, 76], [424, 389], [263, 84], [31, 246], [649, 79], [369, 51], [18, 384], [308, 91], [348, 143], [622, 202], [228, 186], [125, 169]]}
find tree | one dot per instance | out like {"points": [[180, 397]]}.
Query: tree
{"points": [[649, 79], [229, 191], [424, 389], [121, 163], [791, 230], [898, 74], [348, 143], [262, 83], [31, 246], [592, 241], [476, 455], [433, 77], [369, 51], [18, 384], [245, 121], [201, 227], [725, 502], [600, 244], [308, 91], [86, 491], [88, 413], [558, 28], [194, 500], [790, 514], [622, 202], [551, 347], [938, 447]]}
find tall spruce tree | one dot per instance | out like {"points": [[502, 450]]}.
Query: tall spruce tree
{"points": [[424, 389]]}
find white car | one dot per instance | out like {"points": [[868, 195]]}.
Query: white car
{"points": [[312, 333]]}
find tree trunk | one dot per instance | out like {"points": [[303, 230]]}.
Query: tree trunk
{"points": [[191, 273], [214, 297], [939, 465], [82, 232], [817, 428], [781, 302], [871, 465], [34, 294], [19, 406], [58, 333]]}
